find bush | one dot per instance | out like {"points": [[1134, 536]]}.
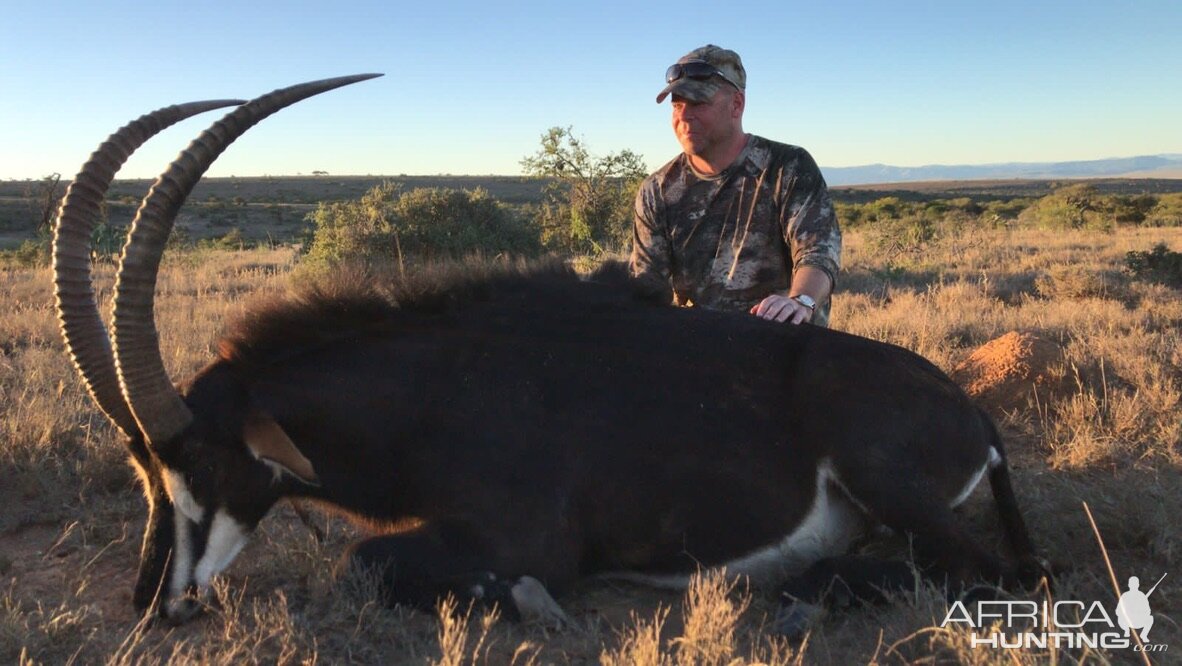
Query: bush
{"points": [[1071, 282], [1159, 265], [886, 208], [231, 240], [30, 254], [589, 205], [1129, 209], [904, 232], [106, 242], [388, 225], [1167, 212], [906, 237], [1071, 207], [999, 213], [849, 215]]}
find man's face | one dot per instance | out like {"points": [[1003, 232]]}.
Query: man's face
{"points": [[702, 126]]}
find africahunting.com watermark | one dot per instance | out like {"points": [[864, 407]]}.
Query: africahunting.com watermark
{"points": [[1061, 624]]}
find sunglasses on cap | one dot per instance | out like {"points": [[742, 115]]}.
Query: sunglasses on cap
{"points": [[698, 70]]}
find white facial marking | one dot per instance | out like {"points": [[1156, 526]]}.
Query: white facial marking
{"points": [[182, 557], [226, 539], [182, 499]]}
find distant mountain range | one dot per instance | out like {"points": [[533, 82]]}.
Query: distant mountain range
{"points": [[1144, 166]]}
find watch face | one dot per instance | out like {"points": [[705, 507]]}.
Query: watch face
{"points": [[806, 300]]}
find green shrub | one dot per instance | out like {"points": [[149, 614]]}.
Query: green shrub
{"points": [[886, 208], [231, 240], [965, 205], [1071, 207], [1080, 206], [999, 213], [893, 238], [179, 240], [388, 225], [106, 242], [1124, 209], [31, 253], [1167, 212], [849, 216], [1160, 265]]}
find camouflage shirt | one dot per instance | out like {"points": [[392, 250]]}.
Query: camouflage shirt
{"points": [[729, 240]]}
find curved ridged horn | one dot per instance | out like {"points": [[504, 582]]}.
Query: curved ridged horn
{"points": [[82, 327], [157, 407]]}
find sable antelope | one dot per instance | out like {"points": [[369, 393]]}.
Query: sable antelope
{"points": [[520, 429]]}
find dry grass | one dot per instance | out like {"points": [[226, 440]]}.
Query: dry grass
{"points": [[1121, 338], [72, 516]]}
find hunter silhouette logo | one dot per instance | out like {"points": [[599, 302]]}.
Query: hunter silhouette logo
{"points": [[1004, 624], [1132, 611]]}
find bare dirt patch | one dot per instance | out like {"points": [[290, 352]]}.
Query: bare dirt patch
{"points": [[50, 564], [1012, 371]]}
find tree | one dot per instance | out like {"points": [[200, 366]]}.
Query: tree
{"points": [[44, 198], [588, 206]]}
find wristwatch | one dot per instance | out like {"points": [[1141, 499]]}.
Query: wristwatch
{"points": [[805, 300]]}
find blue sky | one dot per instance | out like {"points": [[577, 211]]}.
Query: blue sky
{"points": [[470, 87]]}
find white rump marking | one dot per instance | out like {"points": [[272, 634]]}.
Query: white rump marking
{"points": [[226, 539], [995, 458], [992, 462], [829, 528]]}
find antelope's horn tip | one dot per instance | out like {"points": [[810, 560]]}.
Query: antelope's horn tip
{"points": [[346, 80]]}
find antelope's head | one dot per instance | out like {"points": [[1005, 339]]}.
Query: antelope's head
{"points": [[209, 478]]}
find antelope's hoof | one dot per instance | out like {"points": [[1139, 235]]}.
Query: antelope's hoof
{"points": [[795, 619]]}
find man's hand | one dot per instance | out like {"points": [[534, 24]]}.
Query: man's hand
{"points": [[778, 307]]}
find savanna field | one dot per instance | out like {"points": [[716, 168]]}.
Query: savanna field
{"points": [[1095, 416]]}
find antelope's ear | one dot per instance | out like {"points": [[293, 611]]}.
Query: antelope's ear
{"points": [[269, 444]]}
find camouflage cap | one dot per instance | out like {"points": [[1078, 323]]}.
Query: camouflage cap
{"points": [[726, 62]]}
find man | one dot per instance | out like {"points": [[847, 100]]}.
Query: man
{"points": [[736, 221]]}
